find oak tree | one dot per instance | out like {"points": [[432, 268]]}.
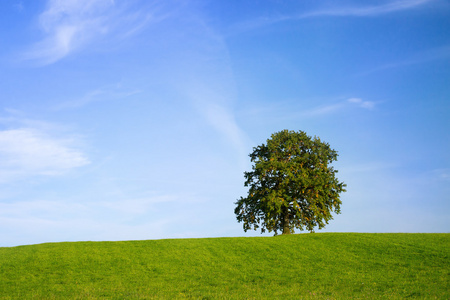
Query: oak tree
{"points": [[292, 185]]}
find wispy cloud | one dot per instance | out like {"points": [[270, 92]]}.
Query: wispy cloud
{"points": [[337, 11], [366, 11], [138, 206], [441, 174], [67, 26], [224, 122], [204, 76], [111, 92], [71, 25], [18, 6], [115, 218], [429, 55], [339, 106], [216, 109], [26, 152], [361, 103], [368, 167]]}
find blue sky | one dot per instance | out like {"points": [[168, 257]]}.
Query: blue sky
{"points": [[124, 120]]}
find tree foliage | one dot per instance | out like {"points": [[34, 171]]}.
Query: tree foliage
{"points": [[291, 185]]}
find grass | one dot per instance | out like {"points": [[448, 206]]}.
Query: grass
{"points": [[304, 266]]}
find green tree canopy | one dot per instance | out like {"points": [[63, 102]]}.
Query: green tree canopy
{"points": [[292, 185]]}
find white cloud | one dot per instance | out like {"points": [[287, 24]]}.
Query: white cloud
{"points": [[369, 167], [138, 206], [441, 174], [28, 152], [338, 106], [223, 121], [324, 109], [339, 11], [110, 92], [68, 25], [215, 108], [18, 6], [361, 103], [438, 53], [209, 81], [121, 218], [364, 11], [71, 25]]}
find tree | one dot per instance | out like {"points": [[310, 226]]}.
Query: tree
{"points": [[291, 185]]}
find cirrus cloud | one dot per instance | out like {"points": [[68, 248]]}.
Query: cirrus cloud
{"points": [[336, 9], [26, 152], [68, 26], [361, 103], [339, 106]]}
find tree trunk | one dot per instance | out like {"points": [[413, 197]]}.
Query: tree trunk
{"points": [[285, 221]]}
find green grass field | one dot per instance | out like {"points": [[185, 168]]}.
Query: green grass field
{"points": [[303, 266]]}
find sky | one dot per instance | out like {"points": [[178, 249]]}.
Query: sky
{"points": [[133, 120]]}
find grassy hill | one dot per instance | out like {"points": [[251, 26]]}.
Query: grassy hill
{"points": [[304, 266]]}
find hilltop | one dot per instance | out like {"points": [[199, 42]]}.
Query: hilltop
{"points": [[302, 266]]}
